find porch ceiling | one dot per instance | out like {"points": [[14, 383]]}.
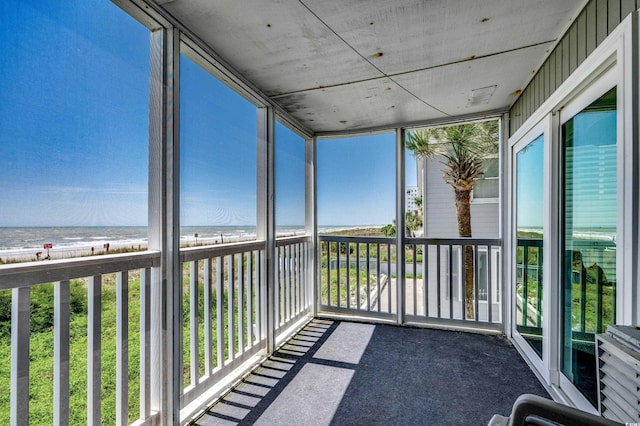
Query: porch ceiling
{"points": [[339, 65]]}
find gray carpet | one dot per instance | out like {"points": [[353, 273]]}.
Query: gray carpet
{"points": [[342, 373]]}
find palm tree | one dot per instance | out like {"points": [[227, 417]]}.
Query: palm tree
{"points": [[462, 149]]}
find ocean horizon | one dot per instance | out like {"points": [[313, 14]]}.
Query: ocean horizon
{"points": [[18, 238]]}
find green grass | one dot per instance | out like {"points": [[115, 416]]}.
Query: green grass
{"points": [[591, 313], [41, 348]]}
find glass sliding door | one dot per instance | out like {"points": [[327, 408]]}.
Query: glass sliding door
{"points": [[529, 200], [589, 206]]}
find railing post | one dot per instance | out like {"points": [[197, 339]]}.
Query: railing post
{"points": [[400, 212], [266, 229], [164, 224]]}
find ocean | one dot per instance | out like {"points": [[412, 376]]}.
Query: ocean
{"points": [[13, 238], [19, 242]]}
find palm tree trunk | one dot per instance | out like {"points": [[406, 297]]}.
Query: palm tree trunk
{"points": [[463, 213]]}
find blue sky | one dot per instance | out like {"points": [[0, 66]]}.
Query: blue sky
{"points": [[74, 133], [73, 114], [530, 182], [356, 183]]}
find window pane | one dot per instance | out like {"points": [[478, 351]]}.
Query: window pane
{"points": [[217, 160], [590, 204], [486, 188], [530, 234], [356, 182], [491, 167], [74, 122], [290, 181]]}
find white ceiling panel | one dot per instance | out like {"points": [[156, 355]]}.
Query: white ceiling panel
{"points": [[340, 65], [450, 88], [357, 106]]}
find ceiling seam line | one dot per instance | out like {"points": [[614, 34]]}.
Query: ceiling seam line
{"points": [[459, 61], [368, 61]]}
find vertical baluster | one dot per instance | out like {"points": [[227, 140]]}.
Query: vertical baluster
{"points": [[328, 243], [490, 283], [348, 275], [220, 310], [463, 280], [378, 280], [300, 275], [122, 347], [294, 279], [20, 316], [193, 323], [525, 285], [250, 299], [287, 281], [231, 324], [539, 291], [260, 297], [451, 281], [476, 275], [94, 350], [389, 292], [208, 301], [438, 279], [241, 346], [145, 343], [425, 279], [339, 279], [294, 268], [357, 275], [583, 296], [61, 353], [279, 289], [599, 307], [415, 279], [368, 277], [305, 276]]}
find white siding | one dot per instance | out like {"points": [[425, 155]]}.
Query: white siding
{"points": [[440, 208]]}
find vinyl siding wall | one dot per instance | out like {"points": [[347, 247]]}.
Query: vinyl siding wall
{"points": [[440, 208], [597, 20]]}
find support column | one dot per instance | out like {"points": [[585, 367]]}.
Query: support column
{"points": [[164, 224], [400, 225], [266, 229], [311, 222]]}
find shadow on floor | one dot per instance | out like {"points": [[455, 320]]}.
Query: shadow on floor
{"points": [[342, 373]]}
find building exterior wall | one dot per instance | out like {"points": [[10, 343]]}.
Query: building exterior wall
{"points": [[440, 208], [597, 20], [410, 199]]}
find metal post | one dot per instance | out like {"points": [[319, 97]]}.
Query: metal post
{"points": [[164, 225], [311, 223], [400, 211], [266, 229]]}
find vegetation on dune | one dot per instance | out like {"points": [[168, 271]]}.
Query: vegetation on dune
{"points": [[41, 347]]}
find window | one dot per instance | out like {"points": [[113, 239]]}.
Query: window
{"points": [[487, 188], [356, 182], [73, 120], [218, 156], [589, 142], [290, 181]]}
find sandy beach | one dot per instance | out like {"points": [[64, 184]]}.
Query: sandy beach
{"points": [[98, 247]]}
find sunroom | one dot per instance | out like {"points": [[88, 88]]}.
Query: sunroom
{"points": [[287, 122]]}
